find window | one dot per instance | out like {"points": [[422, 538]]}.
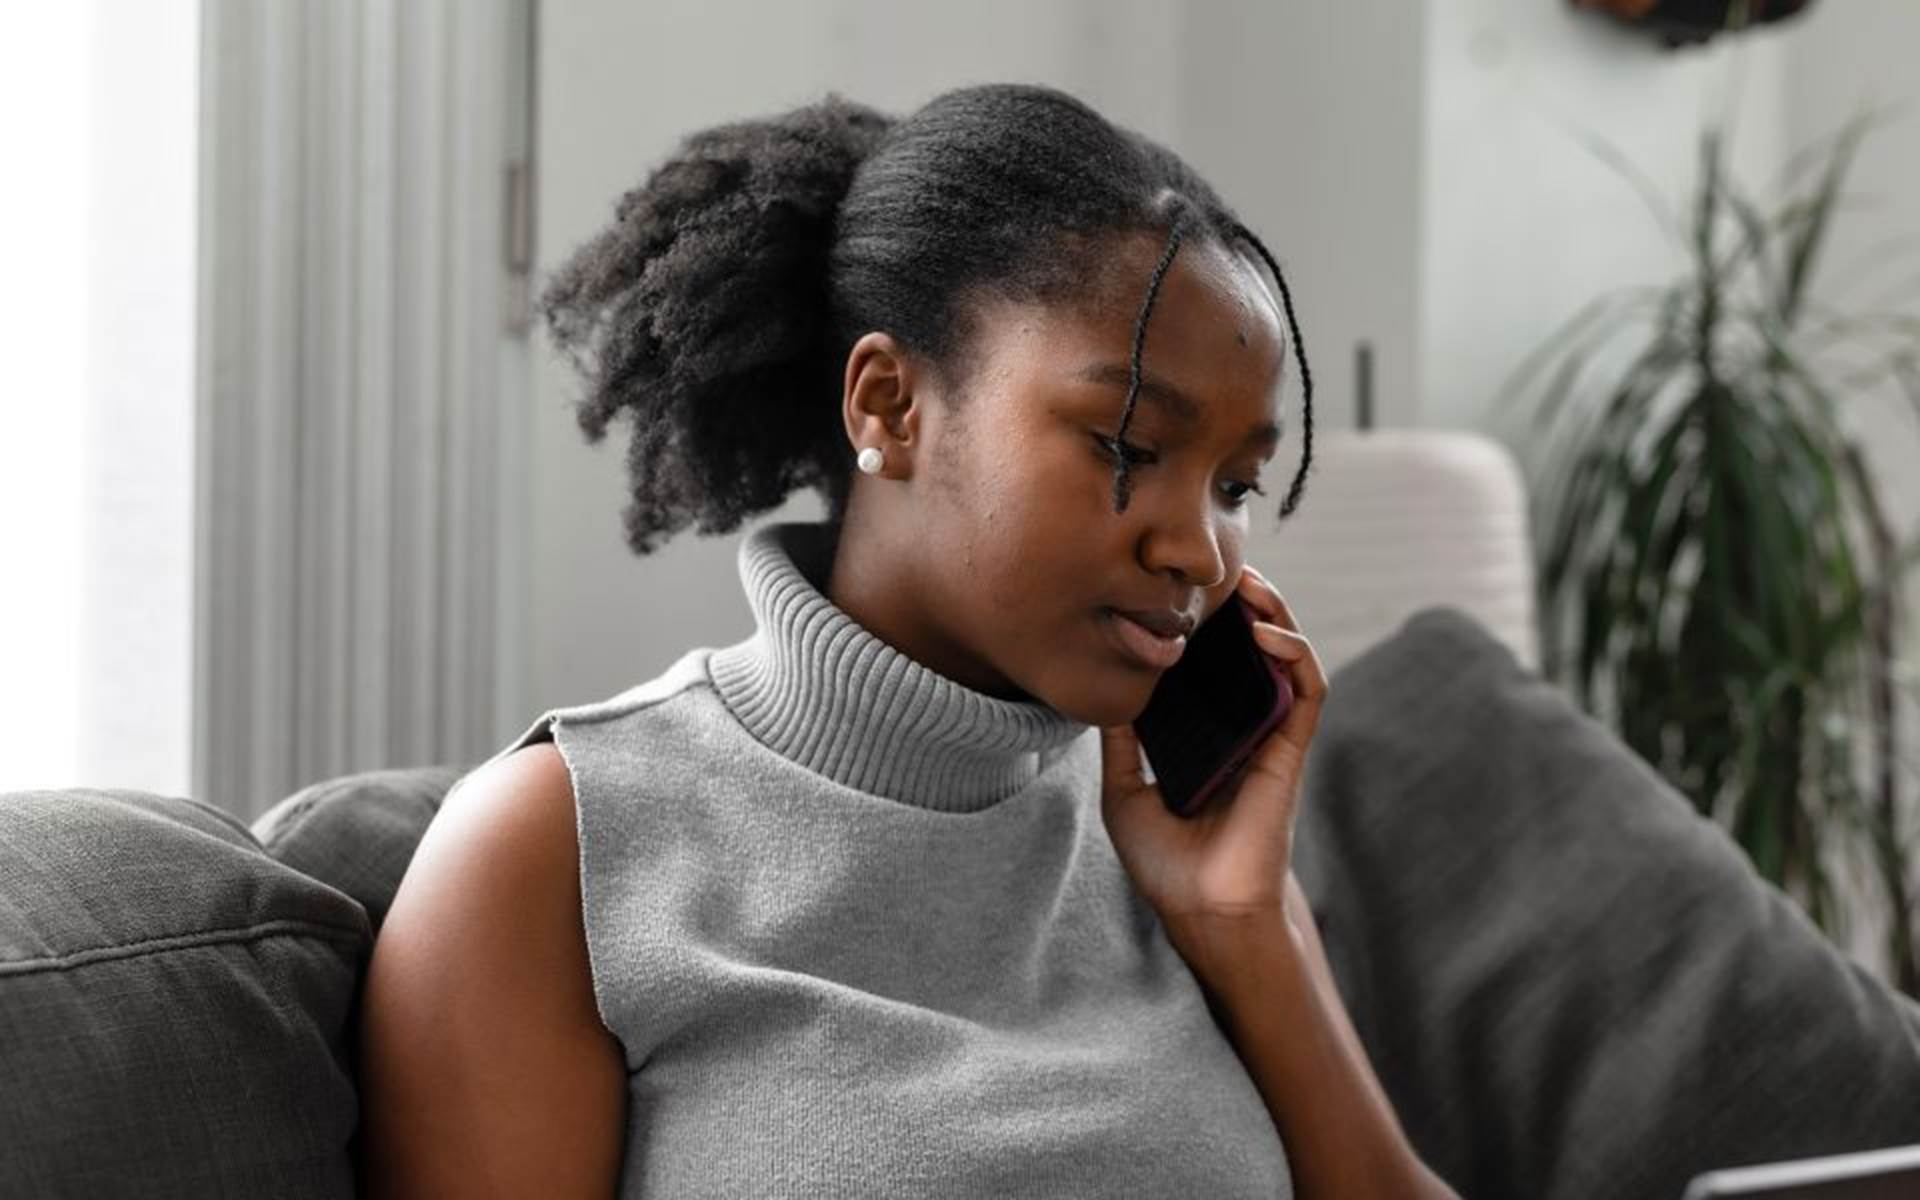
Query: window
{"points": [[99, 103]]}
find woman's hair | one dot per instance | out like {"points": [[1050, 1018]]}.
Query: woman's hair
{"points": [[718, 309]]}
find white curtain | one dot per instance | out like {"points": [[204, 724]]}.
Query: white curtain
{"points": [[361, 366]]}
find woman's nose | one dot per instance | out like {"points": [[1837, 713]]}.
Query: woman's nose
{"points": [[1189, 545]]}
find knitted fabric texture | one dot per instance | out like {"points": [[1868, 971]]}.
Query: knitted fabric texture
{"points": [[861, 932]]}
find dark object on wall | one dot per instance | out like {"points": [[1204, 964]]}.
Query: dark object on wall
{"points": [[1692, 22]]}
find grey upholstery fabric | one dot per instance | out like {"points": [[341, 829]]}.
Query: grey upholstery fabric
{"points": [[174, 1005], [1570, 983], [357, 832]]}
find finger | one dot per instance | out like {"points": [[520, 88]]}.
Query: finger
{"points": [[1304, 669], [1266, 599], [1305, 673], [1127, 800], [1267, 799], [1120, 759]]}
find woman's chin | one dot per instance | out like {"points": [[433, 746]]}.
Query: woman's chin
{"points": [[1110, 702]]}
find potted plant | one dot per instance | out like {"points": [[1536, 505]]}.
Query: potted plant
{"points": [[1719, 579]]}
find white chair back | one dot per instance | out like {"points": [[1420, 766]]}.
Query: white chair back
{"points": [[1396, 520]]}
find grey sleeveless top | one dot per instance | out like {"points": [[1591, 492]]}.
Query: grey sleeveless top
{"points": [[862, 933]]}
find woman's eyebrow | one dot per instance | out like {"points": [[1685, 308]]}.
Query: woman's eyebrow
{"points": [[1165, 396]]}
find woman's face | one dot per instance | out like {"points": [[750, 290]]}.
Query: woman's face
{"points": [[1019, 560]]}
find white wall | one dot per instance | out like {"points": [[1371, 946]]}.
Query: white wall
{"points": [[1521, 224], [1306, 117], [1848, 56], [1305, 122]]}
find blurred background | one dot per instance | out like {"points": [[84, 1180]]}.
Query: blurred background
{"points": [[290, 484]]}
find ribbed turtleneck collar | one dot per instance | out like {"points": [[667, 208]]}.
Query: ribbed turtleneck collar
{"points": [[822, 690]]}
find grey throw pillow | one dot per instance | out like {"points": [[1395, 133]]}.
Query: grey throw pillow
{"points": [[1570, 982], [174, 1005], [358, 832]]}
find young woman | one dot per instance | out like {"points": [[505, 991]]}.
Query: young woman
{"points": [[878, 901]]}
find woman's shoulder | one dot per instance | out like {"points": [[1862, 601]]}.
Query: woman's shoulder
{"points": [[527, 785], [686, 675], [499, 857], [481, 1030]]}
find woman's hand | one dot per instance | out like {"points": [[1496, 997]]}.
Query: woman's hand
{"points": [[1233, 859]]}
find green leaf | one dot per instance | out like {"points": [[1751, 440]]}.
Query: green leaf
{"points": [[1804, 242], [1705, 225], [1768, 533], [1754, 243], [1654, 507], [1594, 321], [1611, 156], [1605, 462], [1816, 151]]}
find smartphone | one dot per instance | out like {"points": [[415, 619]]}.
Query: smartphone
{"points": [[1212, 709]]}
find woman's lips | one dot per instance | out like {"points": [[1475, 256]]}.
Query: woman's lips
{"points": [[1143, 644]]}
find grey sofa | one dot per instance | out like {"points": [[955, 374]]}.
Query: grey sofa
{"points": [[1570, 984]]}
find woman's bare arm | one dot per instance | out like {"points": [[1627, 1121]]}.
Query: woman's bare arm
{"points": [[484, 1068], [1286, 1019]]}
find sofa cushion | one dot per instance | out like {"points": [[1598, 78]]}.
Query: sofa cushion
{"points": [[1570, 982], [357, 832], [174, 1005]]}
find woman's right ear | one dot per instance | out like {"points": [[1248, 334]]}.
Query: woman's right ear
{"points": [[879, 405]]}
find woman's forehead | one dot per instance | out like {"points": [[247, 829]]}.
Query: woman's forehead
{"points": [[1213, 330]]}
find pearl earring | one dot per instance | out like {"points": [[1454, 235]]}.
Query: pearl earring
{"points": [[870, 460]]}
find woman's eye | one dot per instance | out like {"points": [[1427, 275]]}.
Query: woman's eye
{"points": [[1240, 497], [1115, 448]]}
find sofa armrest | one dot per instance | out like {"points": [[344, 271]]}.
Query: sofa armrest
{"points": [[174, 1005]]}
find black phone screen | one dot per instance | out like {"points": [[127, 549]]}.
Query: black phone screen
{"points": [[1212, 709]]}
